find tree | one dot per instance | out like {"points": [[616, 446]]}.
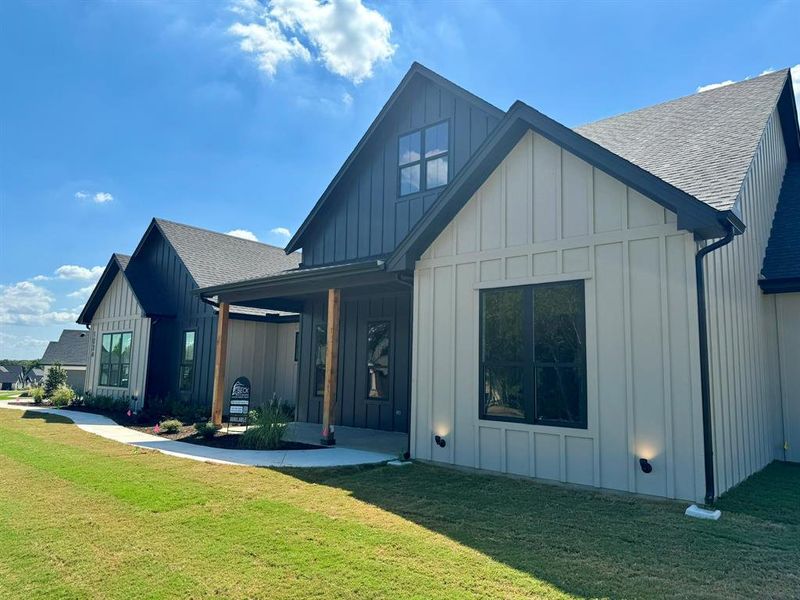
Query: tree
{"points": [[56, 378]]}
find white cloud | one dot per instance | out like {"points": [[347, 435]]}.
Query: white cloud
{"points": [[97, 197], [244, 234], [82, 293], [17, 346], [347, 99], [41, 278], [347, 37], [714, 86], [26, 303], [102, 197], [796, 85], [76, 272], [281, 232], [269, 44]]}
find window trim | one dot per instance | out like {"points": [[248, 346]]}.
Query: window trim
{"points": [[423, 160], [314, 347], [182, 363], [100, 361], [530, 364], [390, 383]]}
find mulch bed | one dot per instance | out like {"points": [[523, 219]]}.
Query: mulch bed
{"points": [[187, 433]]}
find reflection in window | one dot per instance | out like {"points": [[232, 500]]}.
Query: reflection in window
{"points": [[320, 347], [187, 361], [115, 359], [533, 356], [378, 359], [433, 170]]}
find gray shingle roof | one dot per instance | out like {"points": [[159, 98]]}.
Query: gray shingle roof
{"points": [[215, 258], [10, 373], [72, 348], [782, 259], [702, 144]]}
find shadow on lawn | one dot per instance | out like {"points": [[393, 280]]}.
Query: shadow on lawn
{"points": [[46, 417], [581, 541]]}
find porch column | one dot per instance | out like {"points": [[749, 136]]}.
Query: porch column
{"points": [[219, 364], [331, 367]]}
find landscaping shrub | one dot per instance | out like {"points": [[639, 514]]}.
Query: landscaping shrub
{"points": [[62, 396], [268, 430], [105, 403], [170, 426], [56, 378], [25, 394], [37, 394], [206, 429]]}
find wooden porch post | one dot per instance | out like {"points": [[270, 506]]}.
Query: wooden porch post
{"points": [[331, 367], [219, 364]]}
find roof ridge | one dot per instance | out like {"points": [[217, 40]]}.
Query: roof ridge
{"points": [[225, 235], [714, 91]]}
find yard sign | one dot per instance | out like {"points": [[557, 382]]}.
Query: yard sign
{"points": [[240, 401]]}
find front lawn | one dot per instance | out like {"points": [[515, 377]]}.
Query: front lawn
{"points": [[9, 394], [84, 517]]}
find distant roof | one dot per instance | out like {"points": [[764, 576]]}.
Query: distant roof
{"points": [[10, 373], [72, 348], [703, 143], [781, 268], [216, 258]]}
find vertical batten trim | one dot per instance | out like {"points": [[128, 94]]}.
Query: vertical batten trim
{"points": [[666, 340]]}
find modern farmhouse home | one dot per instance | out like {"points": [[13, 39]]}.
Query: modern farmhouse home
{"points": [[152, 337], [616, 305]]}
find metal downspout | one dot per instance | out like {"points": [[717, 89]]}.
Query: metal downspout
{"points": [[705, 387]]}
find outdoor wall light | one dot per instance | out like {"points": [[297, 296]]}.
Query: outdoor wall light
{"points": [[645, 465], [440, 441]]}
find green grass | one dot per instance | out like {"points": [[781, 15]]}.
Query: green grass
{"points": [[83, 517], [9, 394]]}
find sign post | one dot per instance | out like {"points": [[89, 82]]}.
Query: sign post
{"points": [[240, 402]]}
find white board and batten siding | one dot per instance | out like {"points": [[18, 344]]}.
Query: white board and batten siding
{"points": [[120, 312], [545, 215], [264, 353], [743, 328]]}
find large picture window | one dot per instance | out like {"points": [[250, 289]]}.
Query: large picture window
{"points": [[378, 338], [533, 354], [320, 347], [187, 361], [115, 359], [423, 159]]}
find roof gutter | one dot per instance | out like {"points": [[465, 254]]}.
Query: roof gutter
{"points": [[705, 386]]}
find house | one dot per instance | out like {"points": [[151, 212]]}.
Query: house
{"points": [[71, 352], [34, 376], [616, 305], [11, 377], [152, 337]]}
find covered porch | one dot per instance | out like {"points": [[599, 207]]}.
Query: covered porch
{"points": [[353, 350]]}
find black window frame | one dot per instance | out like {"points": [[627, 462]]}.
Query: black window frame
{"points": [[184, 364], [423, 160], [319, 328], [530, 365], [297, 346], [390, 330], [110, 362]]}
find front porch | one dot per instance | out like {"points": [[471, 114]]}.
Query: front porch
{"points": [[393, 443]]}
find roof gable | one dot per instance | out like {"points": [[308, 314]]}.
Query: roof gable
{"points": [[694, 215], [416, 71], [72, 348], [116, 264], [702, 144]]}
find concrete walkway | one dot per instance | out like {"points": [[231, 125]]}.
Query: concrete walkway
{"points": [[105, 427]]}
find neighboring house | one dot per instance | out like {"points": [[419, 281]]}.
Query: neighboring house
{"points": [[71, 352], [34, 376], [553, 278], [153, 337], [11, 377]]}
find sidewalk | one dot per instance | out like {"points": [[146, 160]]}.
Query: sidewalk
{"points": [[105, 427]]}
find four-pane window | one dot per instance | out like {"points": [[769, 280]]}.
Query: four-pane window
{"points": [[320, 347], [378, 338], [533, 354], [115, 359], [424, 170]]}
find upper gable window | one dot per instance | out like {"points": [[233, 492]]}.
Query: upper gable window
{"points": [[426, 171]]}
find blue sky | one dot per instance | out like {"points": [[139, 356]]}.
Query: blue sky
{"points": [[236, 116]]}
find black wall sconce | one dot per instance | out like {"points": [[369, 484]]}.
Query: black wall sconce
{"points": [[440, 441], [645, 465]]}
